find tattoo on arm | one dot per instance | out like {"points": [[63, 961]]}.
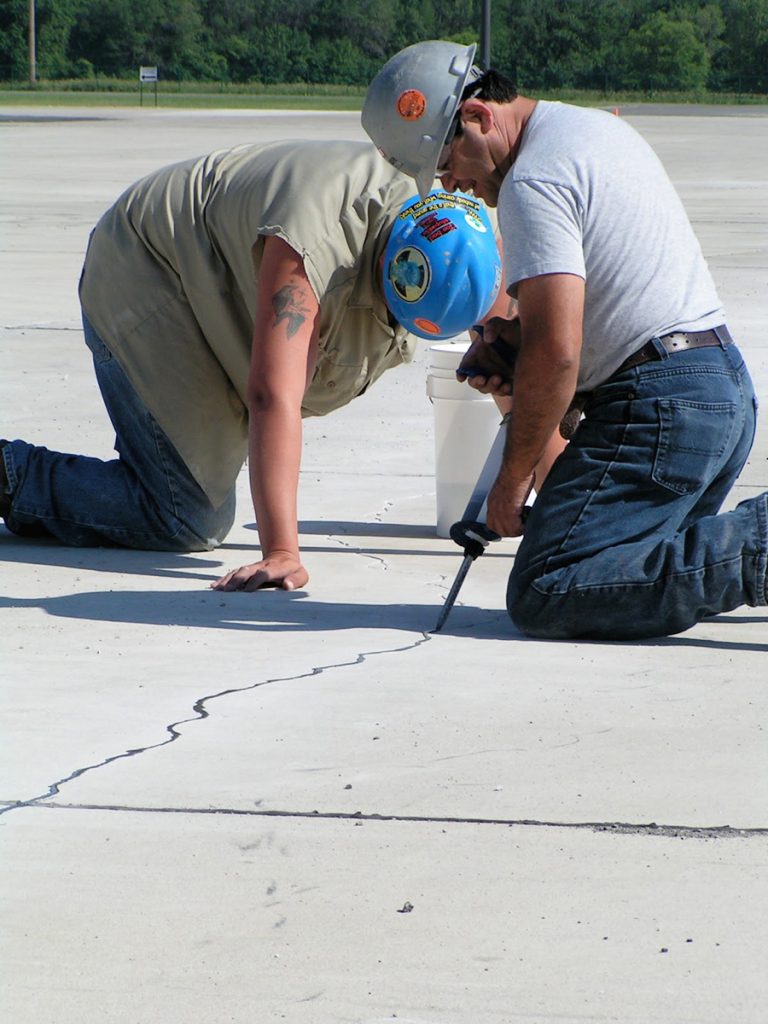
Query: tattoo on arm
{"points": [[288, 305]]}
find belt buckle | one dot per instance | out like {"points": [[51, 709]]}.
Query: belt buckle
{"points": [[671, 344]]}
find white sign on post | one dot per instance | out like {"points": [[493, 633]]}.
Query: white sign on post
{"points": [[147, 74]]}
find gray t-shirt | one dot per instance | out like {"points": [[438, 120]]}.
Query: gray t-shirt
{"points": [[588, 196]]}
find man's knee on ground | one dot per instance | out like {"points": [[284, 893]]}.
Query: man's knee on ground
{"points": [[538, 614], [522, 613], [189, 540], [208, 532]]}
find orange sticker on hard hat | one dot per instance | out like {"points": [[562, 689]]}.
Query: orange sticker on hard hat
{"points": [[426, 325], [411, 104]]}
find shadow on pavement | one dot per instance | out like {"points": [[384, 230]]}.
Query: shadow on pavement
{"points": [[278, 611], [130, 562], [120, 561], [348, 528], [271, 611]]}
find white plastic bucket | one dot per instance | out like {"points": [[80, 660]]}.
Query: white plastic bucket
{"points": [[465, 424]]}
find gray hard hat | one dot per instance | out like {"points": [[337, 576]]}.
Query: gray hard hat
{"points": [[411, 103]]}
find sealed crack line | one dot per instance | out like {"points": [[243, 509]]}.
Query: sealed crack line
{"points": [[54, 325], [200, 712], [613, 827]]}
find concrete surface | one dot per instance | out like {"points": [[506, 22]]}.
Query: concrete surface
{"points": [[306, 807]]}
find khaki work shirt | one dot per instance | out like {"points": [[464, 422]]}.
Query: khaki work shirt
{"points": [[170, 275]]}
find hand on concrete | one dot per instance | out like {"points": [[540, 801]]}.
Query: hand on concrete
{"points": [[280, 569]]}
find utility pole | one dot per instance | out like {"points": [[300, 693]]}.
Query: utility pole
{"points": [[32, 46], [485, 36]]}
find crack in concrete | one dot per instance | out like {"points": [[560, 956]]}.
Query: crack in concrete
{"points": [[357, 550], [200, 713], [614, 827]]}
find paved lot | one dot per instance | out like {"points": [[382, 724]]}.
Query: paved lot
{"points": [[306, 807]]}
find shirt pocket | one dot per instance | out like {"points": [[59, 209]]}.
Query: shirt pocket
{"points": [[693, 437], [338, 379]]}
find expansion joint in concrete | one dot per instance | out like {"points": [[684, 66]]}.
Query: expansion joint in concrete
{"points": [[611, 827]]}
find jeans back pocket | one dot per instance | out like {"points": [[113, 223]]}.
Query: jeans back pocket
{"points": [[693, 436]]}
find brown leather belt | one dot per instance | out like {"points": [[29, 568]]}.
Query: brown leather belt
{"points": [[678, 341]]}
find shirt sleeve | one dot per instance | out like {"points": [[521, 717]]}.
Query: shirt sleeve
{"points": [[542, 229]]}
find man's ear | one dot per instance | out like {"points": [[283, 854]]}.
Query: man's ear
{"points": [[479, 112]]}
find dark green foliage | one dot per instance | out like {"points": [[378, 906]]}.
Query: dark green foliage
{"points": [[13, 39], [116, 36], [650, 45], [666, 52]]}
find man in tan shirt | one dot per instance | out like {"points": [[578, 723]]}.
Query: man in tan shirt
{"points": [[223, 299]]}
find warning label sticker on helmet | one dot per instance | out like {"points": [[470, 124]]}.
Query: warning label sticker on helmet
{"points": [[474, 222], [411, 104], [434, 227], [410, 273], [437, 201]]}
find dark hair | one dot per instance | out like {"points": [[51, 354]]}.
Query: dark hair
{"points": [[492, 87]]}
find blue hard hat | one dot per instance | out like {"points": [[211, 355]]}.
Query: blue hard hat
{"points": [[441, 265]]}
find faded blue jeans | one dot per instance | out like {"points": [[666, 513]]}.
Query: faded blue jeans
{"points": [[624, 540], [146, 498]]}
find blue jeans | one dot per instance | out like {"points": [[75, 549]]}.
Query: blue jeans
{"points": [[624, 540], [146, 498]]}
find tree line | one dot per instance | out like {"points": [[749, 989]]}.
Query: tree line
{"points": [[720, 45]]}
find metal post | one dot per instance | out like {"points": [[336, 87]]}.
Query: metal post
{"points": [[32, 47], [485, 36]]}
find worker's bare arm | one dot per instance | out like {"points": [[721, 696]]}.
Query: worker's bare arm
{"points": [[283, 358], [495, 349], [551, 314]]}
